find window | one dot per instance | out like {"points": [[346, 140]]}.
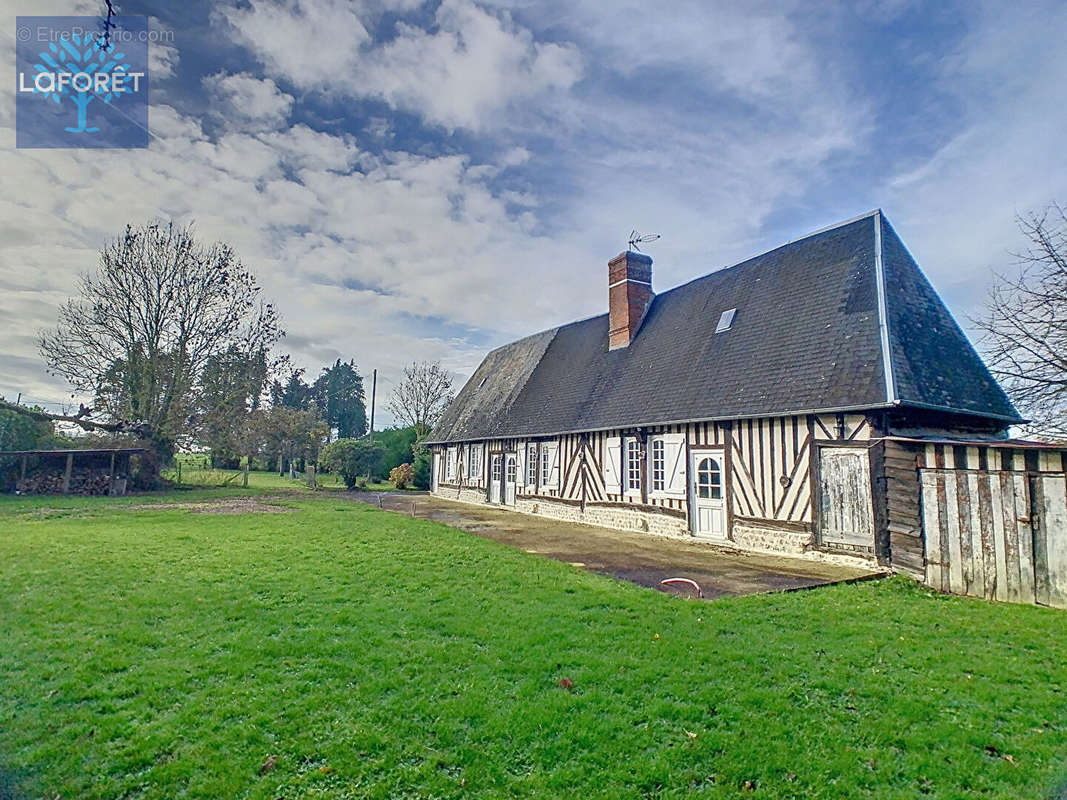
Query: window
{"points": [[546, 465], [659, 465], [633, 465], [450, 464], [726, 321], [512, 469], [496, 469], [709, 479], [531, 464], [474, 466]]}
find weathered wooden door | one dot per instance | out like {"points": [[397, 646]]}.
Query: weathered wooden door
{"points": [[511, 477], [1049, 493], [496, 473], [847, 510], [708, 496]]}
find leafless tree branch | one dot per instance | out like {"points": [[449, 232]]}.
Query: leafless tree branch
{"points": [[1025, 325]]}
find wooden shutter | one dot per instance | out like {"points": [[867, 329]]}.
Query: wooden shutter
{"points": [[520, 464], [612, 459], [674, 464], [553, 465]]}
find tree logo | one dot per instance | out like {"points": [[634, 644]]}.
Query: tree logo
{"points": [[66, 58]]}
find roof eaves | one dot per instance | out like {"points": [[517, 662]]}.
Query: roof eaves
{"points": [[657, 423], [1015, 420]]}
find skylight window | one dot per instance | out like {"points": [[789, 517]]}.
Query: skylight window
{"points": [[726, 320]]}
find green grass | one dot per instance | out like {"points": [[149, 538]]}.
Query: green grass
{"points": [[196, 474], [165, 654]]}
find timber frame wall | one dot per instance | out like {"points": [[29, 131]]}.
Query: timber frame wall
{"points": [[769, 463], [984, 518]]}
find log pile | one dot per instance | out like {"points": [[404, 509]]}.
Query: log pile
{"points": [[84, 481]]}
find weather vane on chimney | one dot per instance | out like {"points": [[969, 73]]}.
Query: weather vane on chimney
{"points": [[637, 239]]}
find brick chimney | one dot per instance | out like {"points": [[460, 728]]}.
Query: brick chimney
{"points": [[629, 296]]}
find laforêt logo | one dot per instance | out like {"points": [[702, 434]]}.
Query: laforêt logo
{"points": [[76, 87]]}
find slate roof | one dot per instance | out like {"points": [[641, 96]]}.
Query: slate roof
{"points": [[807, 337]]}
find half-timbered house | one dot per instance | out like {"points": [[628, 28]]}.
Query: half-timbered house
{"points": [[760, 406]]}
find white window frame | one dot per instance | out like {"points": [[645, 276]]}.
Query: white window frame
{"points": [[531, 464], [474, 464], [632, 465], [545, 462], [450, 464], [657, 465]]}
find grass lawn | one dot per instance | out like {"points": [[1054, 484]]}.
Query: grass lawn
{"points": [[195, 473], [162, 653]]}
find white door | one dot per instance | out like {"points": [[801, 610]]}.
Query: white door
{"points": [[845, 496], [511, 477], [496, 474], [709, 504]]}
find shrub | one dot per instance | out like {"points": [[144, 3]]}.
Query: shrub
{"points": [[352, 459], [402, 476], [423, 466]]}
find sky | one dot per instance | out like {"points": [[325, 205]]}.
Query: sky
{"points": [[428, 180]]}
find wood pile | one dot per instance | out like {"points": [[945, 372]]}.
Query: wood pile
{"points": [[82, 481]]}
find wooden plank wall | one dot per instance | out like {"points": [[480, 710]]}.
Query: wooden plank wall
{"points": [[902, 513], [995, 522]]}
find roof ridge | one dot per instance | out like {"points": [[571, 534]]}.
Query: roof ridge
{"points": [[753, 257], [691, 281]]}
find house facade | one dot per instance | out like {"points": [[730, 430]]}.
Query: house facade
{"points": [[776, 405]]}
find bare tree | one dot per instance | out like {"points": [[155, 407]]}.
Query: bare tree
{"points": [[422, 396], [1025, 326], [145, 325]]}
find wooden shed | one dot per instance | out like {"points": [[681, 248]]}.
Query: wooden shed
{"points": [[69, 471]]}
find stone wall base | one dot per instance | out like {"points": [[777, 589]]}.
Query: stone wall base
{"points": [[619, 518], [772, 540]]}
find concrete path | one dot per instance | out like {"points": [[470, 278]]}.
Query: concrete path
{"points": [[639, 557]]}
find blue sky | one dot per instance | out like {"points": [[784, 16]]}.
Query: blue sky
{"points": [[427, 180]]}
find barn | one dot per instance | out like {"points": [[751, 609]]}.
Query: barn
{"points": [[783, 404]]}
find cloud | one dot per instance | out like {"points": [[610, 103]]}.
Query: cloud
{"points": [[162, 55], [470, 67], [462, 71], [385, 258], [248, 103], [313, 44], [1004, 157]]}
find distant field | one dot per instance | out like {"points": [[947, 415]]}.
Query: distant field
{"points": [[324, 649]]}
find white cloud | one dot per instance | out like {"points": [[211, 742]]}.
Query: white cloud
{"points": [[356, 249], [956, 209], [162, 55], [248, 103], [313, 44], [470, 66]]}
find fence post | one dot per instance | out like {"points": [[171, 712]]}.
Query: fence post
{"points": [[67, 473]]}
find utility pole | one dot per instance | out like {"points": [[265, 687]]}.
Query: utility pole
{"points": [[373, 392], [18, 402]]}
